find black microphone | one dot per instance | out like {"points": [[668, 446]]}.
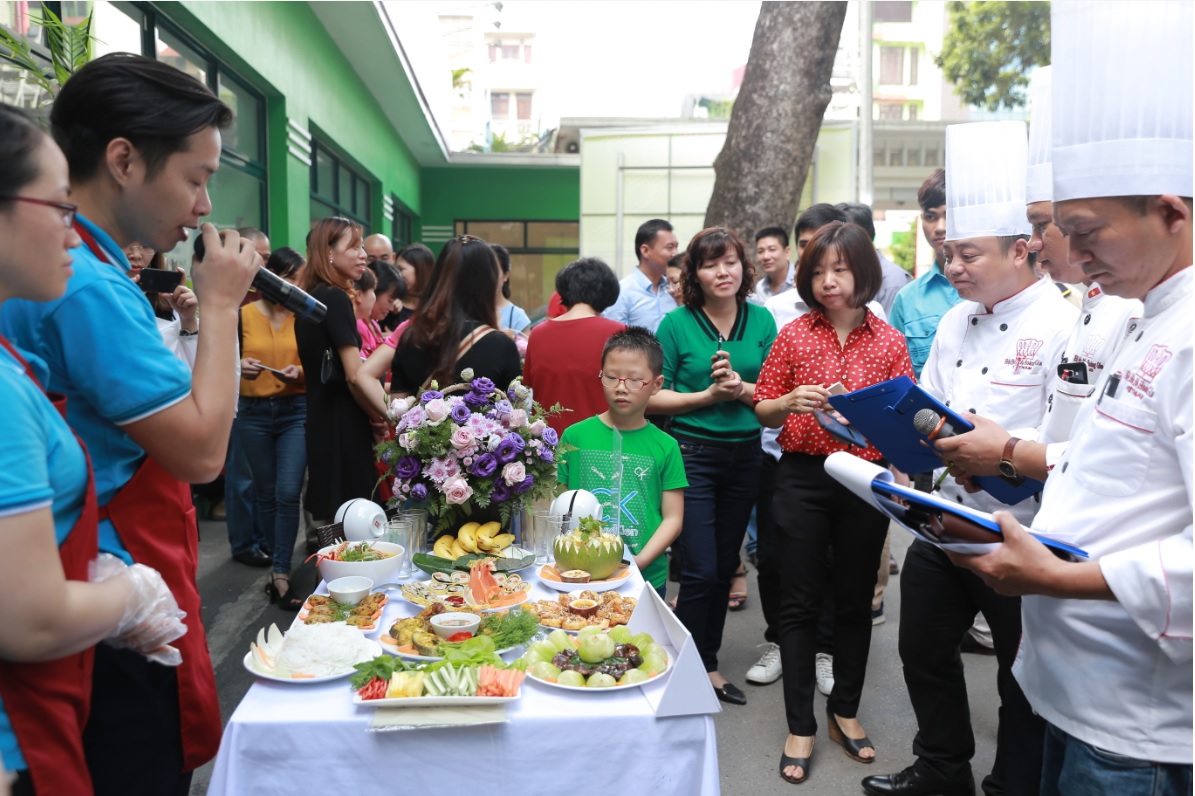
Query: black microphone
{"points": [[277, 290], [932, 424]]}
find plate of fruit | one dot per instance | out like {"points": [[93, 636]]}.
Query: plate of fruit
{"points": [[596, 660], [414, 638], [388, 682], [474, 541], [482, 589]]}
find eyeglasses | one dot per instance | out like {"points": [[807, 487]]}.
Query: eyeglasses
{"points": [[137, 247], [611, 381], [68, 208]]}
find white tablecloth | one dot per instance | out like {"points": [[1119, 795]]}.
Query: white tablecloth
{"points": [[298, 739]]}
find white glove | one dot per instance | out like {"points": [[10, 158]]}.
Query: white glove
{"points": [[151, 619]]}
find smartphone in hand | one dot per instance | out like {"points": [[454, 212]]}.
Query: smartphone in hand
{"points": [[155, 280]]}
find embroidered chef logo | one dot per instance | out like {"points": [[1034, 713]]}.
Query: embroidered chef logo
{"points": [[1091, 349], [1158, 356], [1026, 359]]}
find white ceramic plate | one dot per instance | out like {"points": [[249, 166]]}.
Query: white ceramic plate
{"points": [[432, 702], [424, 592], [593, 585], [252, 666], [410, 656], [589, 690]]}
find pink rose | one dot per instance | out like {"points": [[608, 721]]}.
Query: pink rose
{"points": [[406, 441], [514, 473], [437, 410], [518, 419], [462, 438], [456, 490], [537, 428]]}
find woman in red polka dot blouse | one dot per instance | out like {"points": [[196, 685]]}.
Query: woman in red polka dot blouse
{"points": [[828, 538]]}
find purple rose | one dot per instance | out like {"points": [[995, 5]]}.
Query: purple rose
{"points": [[518, 441], [524, 485], [459, 413], [476, 399], [419, 492], [431, 395], [407, 468], [482, 386], [550, 436], [484, 465], [506, 450], [510, 393], [501, 492], [503, 408], [547, 454]]}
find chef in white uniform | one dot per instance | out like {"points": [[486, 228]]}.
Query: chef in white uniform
{"points": [[1106, 656], [993, 355], [1103, 322]]}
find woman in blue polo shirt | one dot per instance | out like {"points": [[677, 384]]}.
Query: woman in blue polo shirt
{"points": [[53, 617], [714, 347]]}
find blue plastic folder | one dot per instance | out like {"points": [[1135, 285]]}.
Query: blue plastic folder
{"points": [[884, 413]]}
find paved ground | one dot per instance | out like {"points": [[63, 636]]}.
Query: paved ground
{"points": [[749, 738]]}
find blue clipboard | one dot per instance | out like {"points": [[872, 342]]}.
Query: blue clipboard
{"points": [[884, 413]]}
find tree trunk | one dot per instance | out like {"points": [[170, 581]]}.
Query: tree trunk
{"points": [[760, 172]]}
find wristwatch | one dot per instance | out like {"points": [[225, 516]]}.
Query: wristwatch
{"points": [[1008, 470]]}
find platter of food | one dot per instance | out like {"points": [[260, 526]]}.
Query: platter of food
{"points": [[581, 609], [415, 638], [321, 609], [481, 588], [573, 579], [596, 660], [386, 681], [309, 654]]}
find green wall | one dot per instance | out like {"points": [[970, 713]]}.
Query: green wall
{"points": [[284, 51], [500, 193]]}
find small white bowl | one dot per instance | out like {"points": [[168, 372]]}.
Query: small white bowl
{"points": [[449, 624], [351, 590]]}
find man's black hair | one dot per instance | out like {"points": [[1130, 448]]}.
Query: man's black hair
{"points": [[389, 279], [647, 233], [860, 214], [121, 95], [932, 192], [778, 233], [816, 217]]}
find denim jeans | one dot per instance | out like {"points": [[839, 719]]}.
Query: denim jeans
{"points": [[271, 431], [1070, 766], [723, 488], [245, 533]]}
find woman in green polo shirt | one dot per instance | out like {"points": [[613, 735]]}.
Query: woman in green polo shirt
{"points": [[714, 347]]}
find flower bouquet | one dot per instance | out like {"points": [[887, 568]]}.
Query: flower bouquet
{"points": [[470, 448]]}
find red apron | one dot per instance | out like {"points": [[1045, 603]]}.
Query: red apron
{"points": [[47, 702], [155, 519]]}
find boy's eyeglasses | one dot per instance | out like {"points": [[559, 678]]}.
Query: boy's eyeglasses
{"points": [[68, 208], [634, 385]]}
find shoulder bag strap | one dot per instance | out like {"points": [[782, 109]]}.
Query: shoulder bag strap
{"points": [[467, 343]]}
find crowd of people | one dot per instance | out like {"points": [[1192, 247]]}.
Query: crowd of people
{"points": [[703, 377]]}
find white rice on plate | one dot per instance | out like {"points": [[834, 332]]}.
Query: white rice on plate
{"points": [[323, 650]]}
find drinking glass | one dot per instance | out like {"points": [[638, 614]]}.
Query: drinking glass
{"points": [[419, 540], [546, 526], [399, 531]]}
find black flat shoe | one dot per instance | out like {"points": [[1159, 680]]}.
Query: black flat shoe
{"points": [[731, 694], [253, 558], [286, 600], [852, 746]]}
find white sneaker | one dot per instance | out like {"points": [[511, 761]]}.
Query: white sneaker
{"points": [[825, 672], [767, 668]]}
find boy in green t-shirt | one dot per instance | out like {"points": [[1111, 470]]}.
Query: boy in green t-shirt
{"points": [[651, 501]]}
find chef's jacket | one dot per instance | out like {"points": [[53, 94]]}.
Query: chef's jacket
{"points": [[1118, 674], [998, 364]]}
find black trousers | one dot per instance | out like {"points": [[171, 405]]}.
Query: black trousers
{"points": [[938, 603], [133, 740], [830, 542]]}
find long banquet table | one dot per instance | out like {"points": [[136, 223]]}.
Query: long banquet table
{"points": [[297, 739]]}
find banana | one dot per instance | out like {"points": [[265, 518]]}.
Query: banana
{"points": [[491, 529], [485, 536], [467, 538], [457, 550], [485, 545], [472, 526], [503, 541], [443, 546]]}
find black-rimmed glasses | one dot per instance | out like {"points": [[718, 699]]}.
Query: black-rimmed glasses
{"points": [[612, 381], [68, 208]]}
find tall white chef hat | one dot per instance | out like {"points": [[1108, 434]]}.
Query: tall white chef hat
{"points": [[1122, 98], [985, 180], [1039, 184]]}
